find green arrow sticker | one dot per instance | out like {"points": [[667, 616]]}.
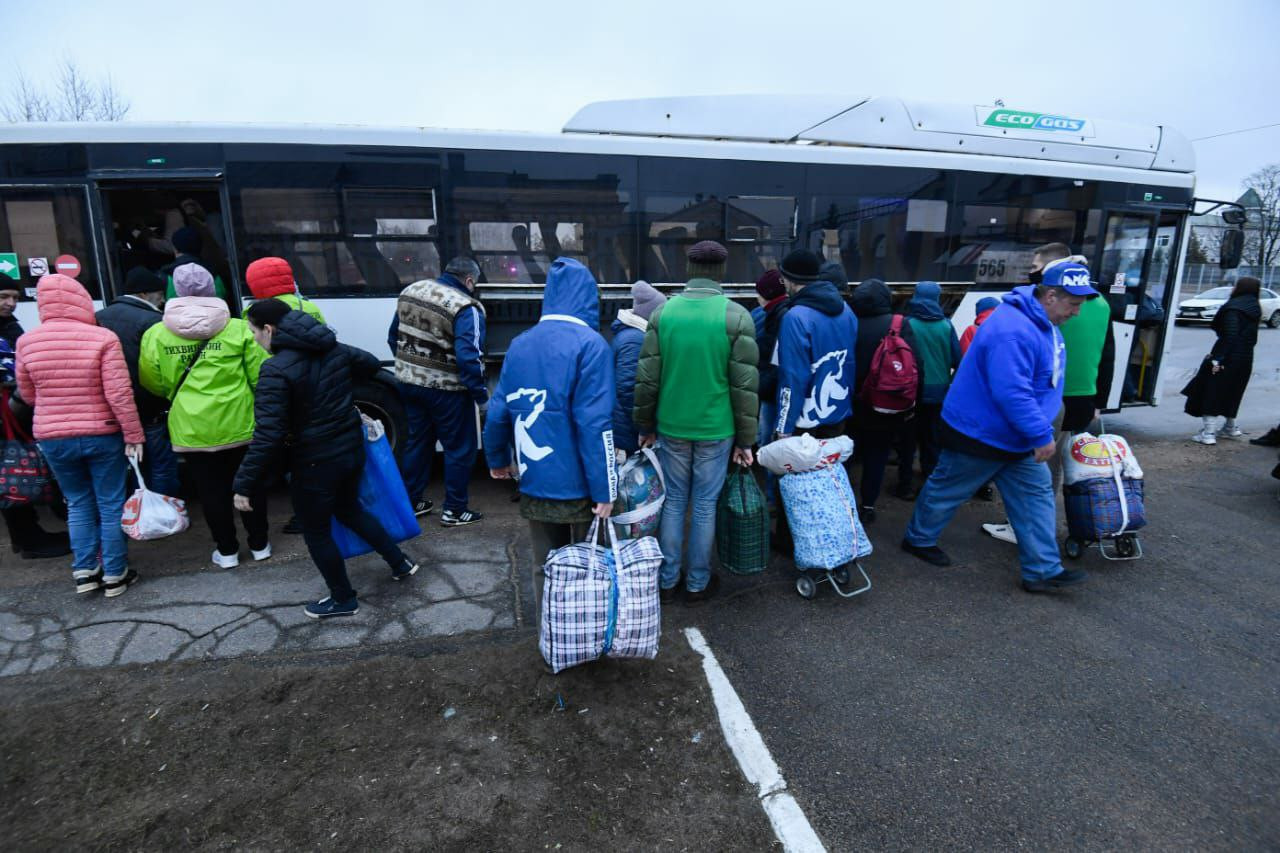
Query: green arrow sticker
{"points": [[9, 265]]}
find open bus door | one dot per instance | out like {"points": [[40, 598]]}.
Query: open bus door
{"points": [[1123, 272], [141, 214]]}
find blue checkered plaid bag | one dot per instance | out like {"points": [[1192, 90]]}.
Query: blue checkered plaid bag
{"points": [[1095, 511], [824, 522], [600, 602]]}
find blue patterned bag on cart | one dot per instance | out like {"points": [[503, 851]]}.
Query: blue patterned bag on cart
{"points": [[823, 518]]}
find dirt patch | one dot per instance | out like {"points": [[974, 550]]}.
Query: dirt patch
{"points": [[475, 749]]}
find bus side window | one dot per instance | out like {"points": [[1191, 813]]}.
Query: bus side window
{"points": [[45, 230]]}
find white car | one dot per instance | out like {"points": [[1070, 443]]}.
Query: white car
{"points": [[1203, 307]]}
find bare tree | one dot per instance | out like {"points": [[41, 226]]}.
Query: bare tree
{"points": [[1262, 234], [73, 96]]}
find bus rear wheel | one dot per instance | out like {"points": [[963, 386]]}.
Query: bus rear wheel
{"points": [[379, 399]]}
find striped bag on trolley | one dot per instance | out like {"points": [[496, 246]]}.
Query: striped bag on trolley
{"points": [[600, 602]]}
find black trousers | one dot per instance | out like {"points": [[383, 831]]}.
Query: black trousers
{"points": [[926, 422], [214, 473], [24, 526], [874, 446], [323, 491]]}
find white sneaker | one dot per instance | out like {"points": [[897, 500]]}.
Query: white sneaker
{"points": [[1003, 532], [1205, 438], [1232, 432], [264, 554], [225, 561]]}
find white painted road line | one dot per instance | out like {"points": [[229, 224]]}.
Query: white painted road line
{"points": [[789, 822]]}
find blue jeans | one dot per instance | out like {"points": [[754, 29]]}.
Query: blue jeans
{"points": [[1027, 490], [764, 435], [159, 463], [700, 467], [91, 471], [450, 418]]}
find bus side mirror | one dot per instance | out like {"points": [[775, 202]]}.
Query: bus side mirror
{"points": [[1232, 249]]}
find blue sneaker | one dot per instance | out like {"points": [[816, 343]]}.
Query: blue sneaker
{"points": [[405, 570], [326, 607]]}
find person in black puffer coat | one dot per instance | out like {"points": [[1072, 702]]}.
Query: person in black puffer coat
{"points": [[876, 434], [129, 316], [1218, 388], [304, 399]]}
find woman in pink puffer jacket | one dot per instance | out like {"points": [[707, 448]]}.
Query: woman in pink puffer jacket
{"points": [[73, 372]]}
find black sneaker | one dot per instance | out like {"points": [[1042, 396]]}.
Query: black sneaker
{"points": [[407, 569], [667, 596], [692, 599], [117, 587], [423, 507], [1270, 439], [327, 607], [449, 518], [88, 581], [292, 527], [931, 554], [986, 493], [1067, 577], [906, 493], [867, 514]]}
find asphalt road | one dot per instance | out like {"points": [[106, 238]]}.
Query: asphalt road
{"points": [[948, 709]]}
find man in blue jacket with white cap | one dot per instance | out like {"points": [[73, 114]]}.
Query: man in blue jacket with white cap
{"points": [[997, 424], [554, 406]]}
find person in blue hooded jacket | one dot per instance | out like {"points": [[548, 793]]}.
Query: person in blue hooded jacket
{"points": [[815, 352], [628, 338], [553, 405], [997, 424]]}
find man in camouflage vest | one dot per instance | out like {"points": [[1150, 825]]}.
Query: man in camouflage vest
{"points": [[438, 339]]}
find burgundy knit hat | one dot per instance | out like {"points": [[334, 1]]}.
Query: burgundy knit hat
{"points": [[707, 260], [770, 286]]}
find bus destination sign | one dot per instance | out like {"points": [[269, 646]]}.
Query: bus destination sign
{"points": [[1023, 120]]}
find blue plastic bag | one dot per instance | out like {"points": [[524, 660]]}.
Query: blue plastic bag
{"points": [[382, 495]]}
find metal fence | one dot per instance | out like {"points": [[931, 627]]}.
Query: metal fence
{"points": [[1197, 278]]}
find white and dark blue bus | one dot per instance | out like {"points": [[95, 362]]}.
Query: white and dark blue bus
{"points": [[894, 189]]}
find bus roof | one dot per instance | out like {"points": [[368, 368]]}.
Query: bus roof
{"points": [[809, 129], [886, 122]]}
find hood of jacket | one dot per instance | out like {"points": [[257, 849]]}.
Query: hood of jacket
{"points": [[924, 303], [135, 302], [820, 296], [628, 319], [1246, 304], [300, 331], [60, 297], [1024, 299], [196, 318], [872, 298], [571, 291]]}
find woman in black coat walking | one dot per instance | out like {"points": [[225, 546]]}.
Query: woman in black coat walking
{"points": [[304, 408], [1217, 389]]}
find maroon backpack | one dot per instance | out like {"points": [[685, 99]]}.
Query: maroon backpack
{"points": [[893, 381]]}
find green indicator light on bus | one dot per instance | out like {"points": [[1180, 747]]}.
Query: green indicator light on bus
{"points": [[155, 161]]}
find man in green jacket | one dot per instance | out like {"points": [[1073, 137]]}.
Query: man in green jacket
{"points": [[696, 389]]}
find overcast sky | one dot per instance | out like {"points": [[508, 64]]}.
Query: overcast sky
{"points": [[1201, 67]]}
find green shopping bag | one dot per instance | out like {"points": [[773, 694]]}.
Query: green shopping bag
{"points": [[742, 524]]}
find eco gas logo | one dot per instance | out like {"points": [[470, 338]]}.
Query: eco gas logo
{"points": [[1019, 120]]}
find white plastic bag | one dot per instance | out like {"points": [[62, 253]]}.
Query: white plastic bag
{"points": [[150, 515], [1090, 456], [799, 453]]}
